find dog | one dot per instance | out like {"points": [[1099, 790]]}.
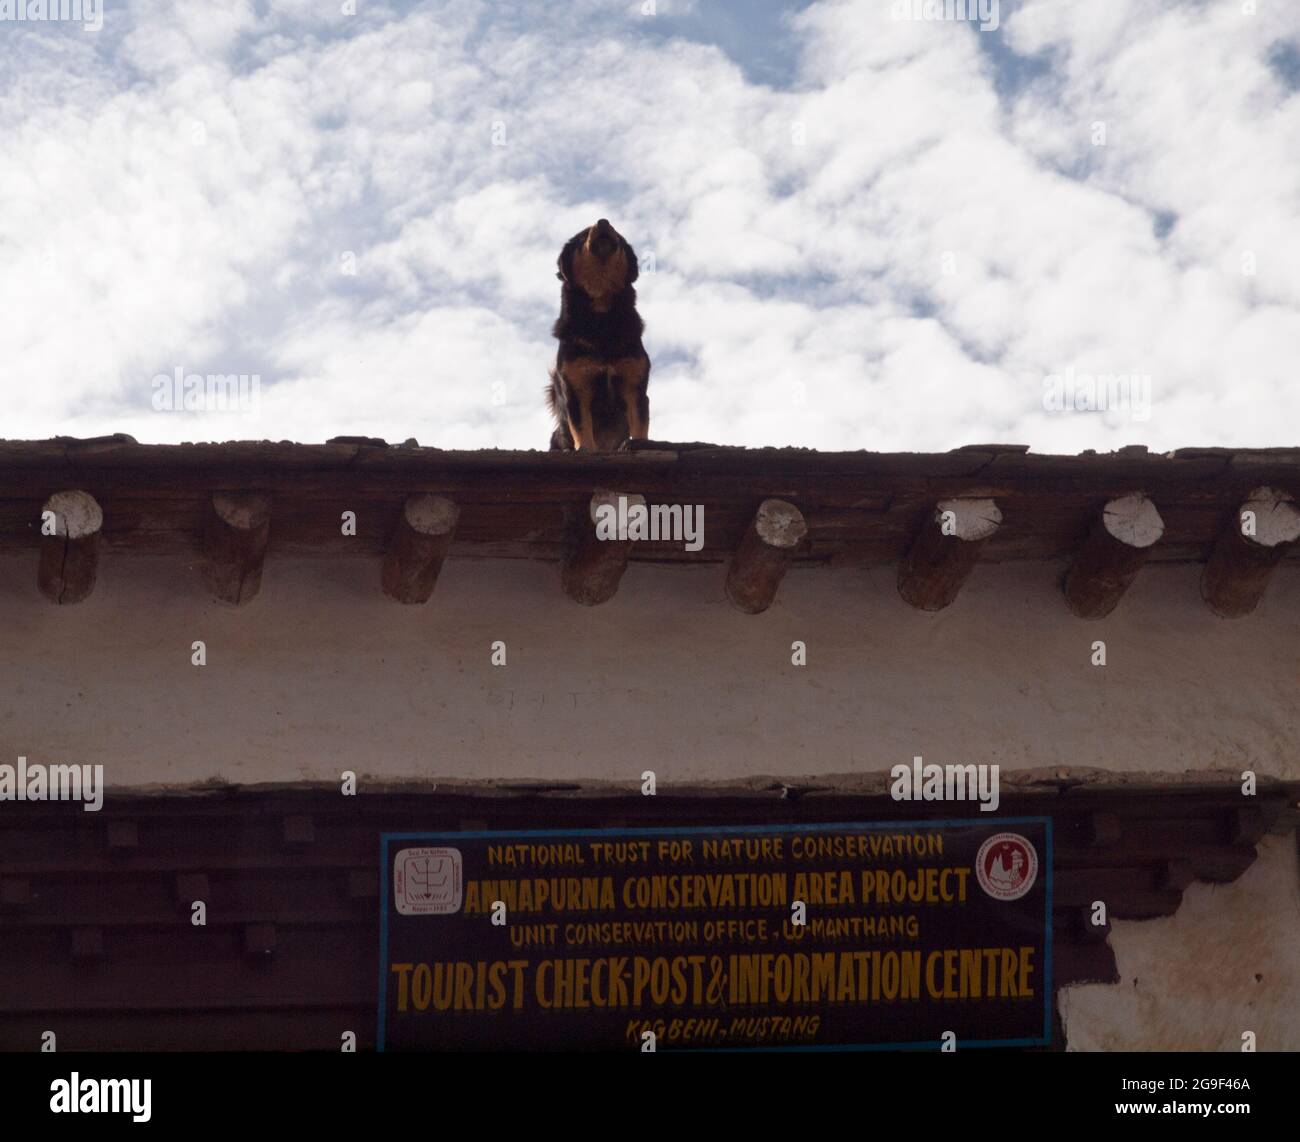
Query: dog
{"points": [[598, 390]]}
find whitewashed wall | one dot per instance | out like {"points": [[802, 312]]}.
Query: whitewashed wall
{"points": [[322, 673], [1228, 962]]}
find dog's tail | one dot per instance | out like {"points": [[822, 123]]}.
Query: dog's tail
{"points": [[561, 438], [553, 394]]}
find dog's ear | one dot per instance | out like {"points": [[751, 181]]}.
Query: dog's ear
{"points": [[632, 270], [564, 263]]}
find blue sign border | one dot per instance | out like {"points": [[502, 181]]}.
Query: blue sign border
{"points": [[811, 827]]}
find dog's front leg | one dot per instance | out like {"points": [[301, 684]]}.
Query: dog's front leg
{"points": [[634, 376]]}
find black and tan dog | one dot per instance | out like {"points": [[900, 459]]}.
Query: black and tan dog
{"points": [[598, 387]]}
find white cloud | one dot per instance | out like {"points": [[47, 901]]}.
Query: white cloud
{"points": [[886, 254]]}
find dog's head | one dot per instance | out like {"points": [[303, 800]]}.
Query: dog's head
{"points": [[599, 262]]}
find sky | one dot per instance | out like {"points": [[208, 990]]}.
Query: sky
{"points": [[860, 227]]}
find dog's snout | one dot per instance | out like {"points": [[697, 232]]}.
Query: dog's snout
{"points": [[602, 239], [610, 439]]}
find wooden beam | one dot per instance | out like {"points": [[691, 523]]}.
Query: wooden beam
{"points": [[1145, 904], [761, 560], [1112, 555], [1087, 929], [945, 551], [1088, 962], [70, 555], [1246, 825], [418, 546], [260, 940], [1103, 829], [122, 836], [362, 884], [235, 543], [88, 943], [192, 886], [15, 892], [1248, 548], [594, 566], [1175, 875], [297, 832]]}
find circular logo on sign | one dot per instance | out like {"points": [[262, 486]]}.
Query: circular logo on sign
{"points": [[1006, 866]]}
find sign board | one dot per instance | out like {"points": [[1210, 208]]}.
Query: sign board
{"points": [[793, 937]]}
